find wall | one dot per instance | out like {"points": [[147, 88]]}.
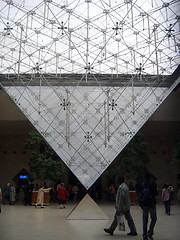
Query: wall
{"points": [[162, 132], [14, 157], [160, 149]]}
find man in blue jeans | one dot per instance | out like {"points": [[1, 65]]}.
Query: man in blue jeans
{"points": [[122, 208], [147, 193]]}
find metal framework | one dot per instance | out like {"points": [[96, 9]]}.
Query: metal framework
{"points": [[88, 74]]}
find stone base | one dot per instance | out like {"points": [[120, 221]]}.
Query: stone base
{"points": [[87, 209]]}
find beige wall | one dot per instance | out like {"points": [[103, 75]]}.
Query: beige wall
{"points": [[13, 157], [161, 131], [160, 150]]}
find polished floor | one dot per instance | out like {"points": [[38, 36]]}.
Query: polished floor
{"points": [[19, 222]]}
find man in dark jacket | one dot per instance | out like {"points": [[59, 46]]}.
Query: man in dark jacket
{"points": [[28, 193], [147, 194]]}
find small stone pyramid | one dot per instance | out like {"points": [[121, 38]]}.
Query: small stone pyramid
{"points": [[87, 209]]}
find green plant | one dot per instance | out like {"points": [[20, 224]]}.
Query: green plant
{"points": [[132, 161], [45, 163]]}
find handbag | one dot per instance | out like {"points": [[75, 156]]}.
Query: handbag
{"points": [[120, 221]]}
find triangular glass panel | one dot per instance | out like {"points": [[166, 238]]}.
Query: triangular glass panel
{"points": [[88, 74], [88, 126]]}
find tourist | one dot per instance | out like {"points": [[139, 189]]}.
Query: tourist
{"points": [[147, 202], [122, 208], [62, 195], [40, 196]]}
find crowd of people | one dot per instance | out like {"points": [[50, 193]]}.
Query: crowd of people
{"points": [[146, 194], [8, 195], [58, 193]]}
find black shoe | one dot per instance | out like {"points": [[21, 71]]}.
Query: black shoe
{"points": [[107, 230], [145, 238], [150, 237], [132, 234]]}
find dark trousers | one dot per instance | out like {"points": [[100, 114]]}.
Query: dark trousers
{"points": [[6, 197], [27, 199], [167, 205], [146, 212], [128, 218]]}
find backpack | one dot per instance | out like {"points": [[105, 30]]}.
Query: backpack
{"points": [[145, 197]]}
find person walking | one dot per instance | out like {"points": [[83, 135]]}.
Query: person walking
{"points": [[12, 195], [6, 194], [40, 196], [122, 208], [62, 195], [166, 198], [147, 202], [112, 192], [28, 193]]}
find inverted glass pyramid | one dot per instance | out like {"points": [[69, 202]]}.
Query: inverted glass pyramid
{"points": [[88, 74]]}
